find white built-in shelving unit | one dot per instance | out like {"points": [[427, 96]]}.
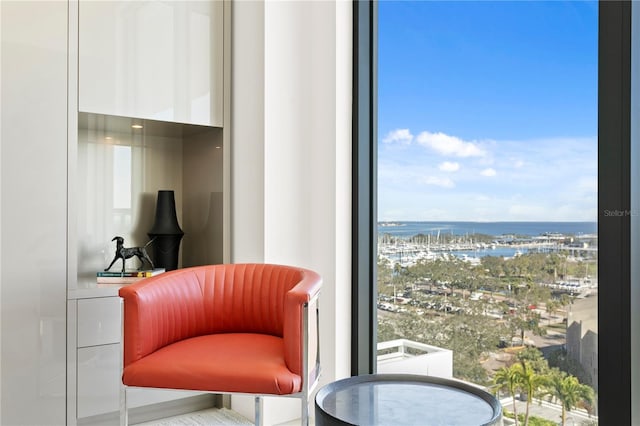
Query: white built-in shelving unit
{"points": [[90, 72], [151, 110]]}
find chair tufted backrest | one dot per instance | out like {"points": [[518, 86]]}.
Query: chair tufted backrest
{"points": [[229, 298], [248, 298]]}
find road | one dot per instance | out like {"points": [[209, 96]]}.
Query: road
{"points": [[550, 411]]}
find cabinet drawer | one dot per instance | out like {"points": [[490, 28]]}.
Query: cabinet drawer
{"points": [[99, 321], [98, 380]]}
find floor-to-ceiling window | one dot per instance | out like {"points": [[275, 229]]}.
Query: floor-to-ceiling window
{"points": [[486, 180], [487, 196]]}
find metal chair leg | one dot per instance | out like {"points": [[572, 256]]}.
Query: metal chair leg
{"points": [[124, 412], [258, 415], [304, 415]]}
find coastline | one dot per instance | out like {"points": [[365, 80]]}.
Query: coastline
{"points": [[495, 229], [409, 242]]}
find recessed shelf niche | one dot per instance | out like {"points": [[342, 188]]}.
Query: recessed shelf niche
{"points": [[120, 168]]}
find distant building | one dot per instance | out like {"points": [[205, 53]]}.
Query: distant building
{"points": [[582, 336]]}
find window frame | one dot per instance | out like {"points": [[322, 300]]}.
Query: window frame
{"points": [[364, 188], [615, 192]]}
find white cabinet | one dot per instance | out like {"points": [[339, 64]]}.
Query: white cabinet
{"points": [[98, 355], [98, 321], [98, 380], [61, 199], [160, 60], [33, 213], [157, 65]]}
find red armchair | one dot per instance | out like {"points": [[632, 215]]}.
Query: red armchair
{"points": [[235, 328]]}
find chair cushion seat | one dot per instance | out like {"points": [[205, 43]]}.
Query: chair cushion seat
{"points": [[249, 363]]}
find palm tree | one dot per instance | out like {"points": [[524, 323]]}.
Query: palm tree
{"points": [[569, 391], [529, 382], [507, 379]]}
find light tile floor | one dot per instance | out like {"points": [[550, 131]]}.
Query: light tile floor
{"points": [[211, 417]]}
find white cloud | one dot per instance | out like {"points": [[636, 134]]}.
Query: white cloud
{"points": [[449, 166], [518, 163], [438, 181], [399, 136], [449, 145], [551, 179]]}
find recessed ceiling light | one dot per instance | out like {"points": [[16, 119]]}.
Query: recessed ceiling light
{"points": [[108, 138], [136, 126]]}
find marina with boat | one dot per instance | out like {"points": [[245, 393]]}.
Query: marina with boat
{"points": [[407, 243]]}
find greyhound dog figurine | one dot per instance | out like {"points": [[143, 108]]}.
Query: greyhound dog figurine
{"points": [[125, 253]]}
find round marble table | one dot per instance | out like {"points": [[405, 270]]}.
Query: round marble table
{"points": [[403, 399]]}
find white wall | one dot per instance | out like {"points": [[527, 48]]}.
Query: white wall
{"points": [[291, 152], [247, 128]]}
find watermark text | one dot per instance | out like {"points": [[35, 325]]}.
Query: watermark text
{"points": [[620, 213]]}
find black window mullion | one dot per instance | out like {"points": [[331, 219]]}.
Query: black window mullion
{"points": [[364, 195], [614, 107]]}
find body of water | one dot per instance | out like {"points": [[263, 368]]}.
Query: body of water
{"points": [[496, 229], [532, 229]]}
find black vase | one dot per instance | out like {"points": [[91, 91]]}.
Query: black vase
{"points": [[166, 232]]}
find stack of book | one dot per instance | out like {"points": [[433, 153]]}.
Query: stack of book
{"points": [[126, 277]]}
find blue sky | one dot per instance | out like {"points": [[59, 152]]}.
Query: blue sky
{"points": [[487, 111]]}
